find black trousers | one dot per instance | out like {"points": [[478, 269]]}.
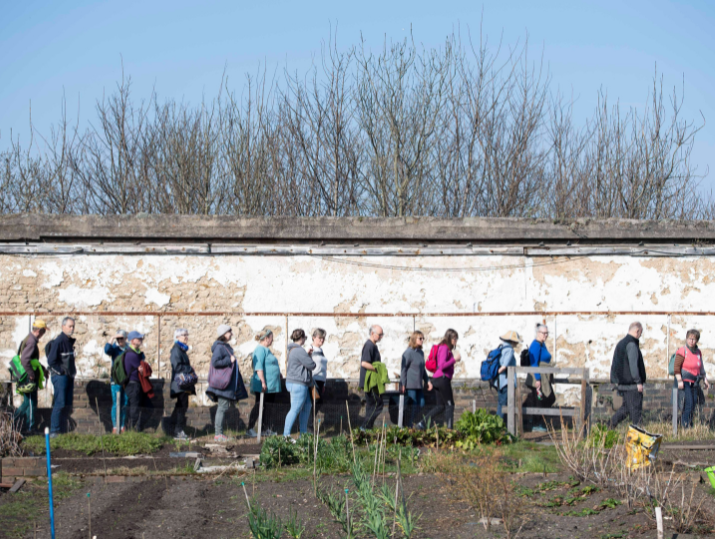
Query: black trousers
{"points": [[178, 416], [269, 412], [140, 406], [632, 406], [373, 408], [445, 401]]}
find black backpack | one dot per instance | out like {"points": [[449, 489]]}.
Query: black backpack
{"points": [[524, 360], [48, 347]]}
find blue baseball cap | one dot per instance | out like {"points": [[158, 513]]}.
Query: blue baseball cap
{"points": [[134, 335]]}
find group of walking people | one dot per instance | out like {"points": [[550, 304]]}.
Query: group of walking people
{"points": [[306, 375]]}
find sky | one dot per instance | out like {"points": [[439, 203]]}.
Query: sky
{"points": [[180, 49]]}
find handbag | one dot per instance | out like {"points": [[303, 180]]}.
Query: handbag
{"points": [[187, 381], [220, 378]]}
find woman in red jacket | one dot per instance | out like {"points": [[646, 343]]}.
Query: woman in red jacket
{"points": [[442, 379], [689, 370]]}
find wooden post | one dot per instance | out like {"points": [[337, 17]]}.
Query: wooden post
{"points": [[474, 406], [517, 405], [675, 410], [260, 418], [584, 396], [401, 414], [158, 346], [510, 400]]}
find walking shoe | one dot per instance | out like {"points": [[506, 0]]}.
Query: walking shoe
{"points": [[251, 433], [269, 432], [420, 426], [220, 438], [538, 428], [124, 429], [54, 435], [291, 440], [114, 430], [181, 435]]}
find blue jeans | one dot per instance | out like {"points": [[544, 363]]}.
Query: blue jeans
{"points": [[503, 401], [119, 393], [691, 399], [300, 403], [416, 401], [62, 402]]}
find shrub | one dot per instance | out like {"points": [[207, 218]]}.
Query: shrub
{"points": [[481, 427], [279, 451]]}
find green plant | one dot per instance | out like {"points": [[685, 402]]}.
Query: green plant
{"points": [[481, 427], [263, 525], [279, 451], [601, 435], [336, 506], [294, 526], [129, 443]]}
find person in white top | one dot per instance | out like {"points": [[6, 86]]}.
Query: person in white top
{"points": [[320, 374]]}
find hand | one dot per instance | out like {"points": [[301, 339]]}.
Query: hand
{"points": [[263, 385], [537, 385], [707, 384], [640, 388], [681, 385], [402, 389], [429, 386], [233, 359], [457, 356]]}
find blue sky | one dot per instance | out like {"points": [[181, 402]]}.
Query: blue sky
{"points": [[181, 48]]}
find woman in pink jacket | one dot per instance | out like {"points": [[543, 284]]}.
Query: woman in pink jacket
{"points": [[442, 379]]}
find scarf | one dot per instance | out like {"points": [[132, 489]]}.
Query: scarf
{"points": [[184, 347]]}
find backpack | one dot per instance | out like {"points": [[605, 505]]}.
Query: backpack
{"points": [[48, 347], [671, 364], [490, 367], [524, 359], [119, 374], [431, 363]]}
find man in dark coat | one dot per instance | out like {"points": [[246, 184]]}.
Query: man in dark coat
{"points": [[61, 361], [628, 373]]}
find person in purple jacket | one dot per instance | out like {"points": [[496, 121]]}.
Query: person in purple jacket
{"points": [[138, 401], [442, 379]]}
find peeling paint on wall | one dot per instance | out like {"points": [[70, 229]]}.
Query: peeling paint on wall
{"points": [[459, 284]]}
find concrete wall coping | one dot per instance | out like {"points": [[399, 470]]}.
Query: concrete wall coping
{"points": [[190, 228]]}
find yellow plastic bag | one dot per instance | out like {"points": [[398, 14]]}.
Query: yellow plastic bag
{"points": [[641, 447]]}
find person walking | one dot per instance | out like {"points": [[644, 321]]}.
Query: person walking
{"points": [[508, 341], [442, 380], [266, 380], [413, 376], [628, 374], [225, 381], [182, 373], [299, 380], [61, 362], [29, 353], [320, 374], [689, 371], [139, 402], [114, 349], [542, 393], [371, 354]]}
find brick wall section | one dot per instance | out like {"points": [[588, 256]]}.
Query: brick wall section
{"points": [[15, 468], [92, 405]]}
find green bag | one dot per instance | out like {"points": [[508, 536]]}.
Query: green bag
{"points": [[119, 375], [17, 371]]}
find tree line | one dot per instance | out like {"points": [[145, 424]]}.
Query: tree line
{"points": [[462, 130]]}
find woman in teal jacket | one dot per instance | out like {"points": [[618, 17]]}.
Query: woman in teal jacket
{"points": [[266, 379]]}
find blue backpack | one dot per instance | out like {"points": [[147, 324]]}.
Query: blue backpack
{"points": [[490, 367]]}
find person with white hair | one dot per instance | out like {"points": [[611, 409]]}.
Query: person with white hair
{"points": [[183, 381], [370, 354], [628, 374], [114, 349]]}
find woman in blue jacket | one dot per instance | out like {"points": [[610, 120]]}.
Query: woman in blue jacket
{"points": [[542, 394], [222, 357]]}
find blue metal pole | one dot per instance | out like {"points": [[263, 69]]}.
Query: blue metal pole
{"points": [[49, 482]]}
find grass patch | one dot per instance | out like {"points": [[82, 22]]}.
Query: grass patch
{"points": [[31, 505], [129, 443]]}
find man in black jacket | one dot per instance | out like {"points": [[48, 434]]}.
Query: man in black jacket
{"points": [[628, 373], [61, 362]]}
